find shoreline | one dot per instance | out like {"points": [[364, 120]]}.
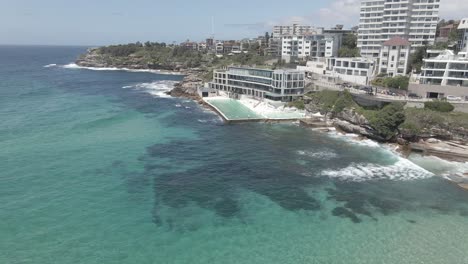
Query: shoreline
{"points": [[111, 68], [187, 88]]}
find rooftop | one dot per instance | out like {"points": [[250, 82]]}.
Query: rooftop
{"points": [[397, 41], [448, 55]]}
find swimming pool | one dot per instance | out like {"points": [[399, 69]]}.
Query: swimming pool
{"points": [[232, 109]]}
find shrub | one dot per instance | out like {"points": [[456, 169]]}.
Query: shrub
{"points": [[325, 99], [387, 120], [299, 104], [439, 106], [397, 82], [344, 100]]}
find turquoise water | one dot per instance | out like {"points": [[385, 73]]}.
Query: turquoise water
{"points": [[233, 109], [93, 173], [284, 115]]}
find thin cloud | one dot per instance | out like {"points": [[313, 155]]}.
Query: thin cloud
{"points": [[346, 12]]}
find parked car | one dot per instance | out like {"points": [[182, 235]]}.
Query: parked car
{"points": [[366, 88], [453, 98], [414, 96], [346, 85]]}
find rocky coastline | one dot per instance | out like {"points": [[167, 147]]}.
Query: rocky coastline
{"points": [[453, 141], [187, 88], [445, 144]]}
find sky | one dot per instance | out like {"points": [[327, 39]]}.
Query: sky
{"points": [[102, 22]]}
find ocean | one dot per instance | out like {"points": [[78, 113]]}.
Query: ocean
{"points": [[100, 166]]}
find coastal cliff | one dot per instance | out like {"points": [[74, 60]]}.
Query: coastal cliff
{"points": [[351, 121]]}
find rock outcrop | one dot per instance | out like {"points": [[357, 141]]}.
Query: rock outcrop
{"points": [[350, 121], [187, 88], [458, 134]]}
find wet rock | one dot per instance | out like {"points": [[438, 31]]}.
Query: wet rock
{"points": [[402, 141], [350, 115], [432, 141]]}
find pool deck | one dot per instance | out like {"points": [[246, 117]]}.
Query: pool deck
{"points": [[250, 120]]}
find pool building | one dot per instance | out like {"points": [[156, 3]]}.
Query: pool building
{"points": [[276, 85]]}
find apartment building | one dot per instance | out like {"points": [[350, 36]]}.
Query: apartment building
{"points": [[394, 57], [354, 70], [463, 34], [442, 76], [414, 20], [295, 29], [308, 46], [277, 85], [446, 69]]}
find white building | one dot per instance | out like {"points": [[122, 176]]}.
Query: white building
{"points": [[443, 76], [219, 47], [277, 85], [309, 46], [353, 70], [394, 56], [316, 66], [446, 69], [414, 20], [463, 34], [295, 29]]}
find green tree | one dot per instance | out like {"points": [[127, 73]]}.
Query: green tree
{"points": [[453, 35], [349, 46], [349, 41], [416, 59], [397, 82], [345, 52], [344, 100]]}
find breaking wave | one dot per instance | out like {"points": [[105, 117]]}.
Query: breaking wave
{"points": [[450, 170], [50, 65], [354, 139], [156, 88], [402, 170], [75, 66], [322, 155]]}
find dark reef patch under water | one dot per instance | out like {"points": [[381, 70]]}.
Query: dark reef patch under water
{"points": [[209, 171]]}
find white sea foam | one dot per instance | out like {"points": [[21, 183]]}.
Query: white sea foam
{"points": [[402, 170], [215, 120], [156, 88], [444, 168], [354, 139], [268, 108], [50, 65], [75, 66], [322, 155]]}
